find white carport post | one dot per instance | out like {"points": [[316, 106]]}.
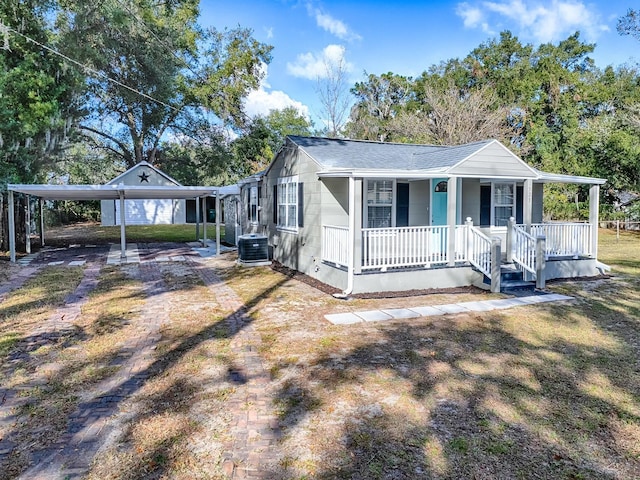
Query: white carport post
{"points": [[204, 221], [41, 202], [123, 235], [27, 224], [217, 222], [452, 197], [197, 219], [12, 228], [594, 207]]}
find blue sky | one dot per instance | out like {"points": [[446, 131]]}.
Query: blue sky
{"points": [[404, 38]]}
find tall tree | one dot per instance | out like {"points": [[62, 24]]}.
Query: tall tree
{"points": [[38, 103], [207, 160], [378, 100], [157, 70], [38, 100], [451, 117], [630, 24], [333, 90], [254, 150]]}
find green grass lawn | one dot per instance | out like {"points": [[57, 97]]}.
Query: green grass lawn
{"points": [[94, 233]]}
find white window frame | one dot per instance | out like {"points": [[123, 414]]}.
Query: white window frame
{"points": [[290, 186], [495, 205], [366, 205], [254, 205]]}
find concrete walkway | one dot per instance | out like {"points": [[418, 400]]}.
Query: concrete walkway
{"points": [[450, 308]]}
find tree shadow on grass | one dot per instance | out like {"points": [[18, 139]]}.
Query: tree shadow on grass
{"points": [[169, 400], [497, 403]]}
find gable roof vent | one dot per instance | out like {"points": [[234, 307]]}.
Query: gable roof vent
{"points": [[253, 249]]}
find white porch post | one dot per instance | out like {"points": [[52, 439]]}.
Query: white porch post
{"points": [[12, 228], [123, 234], [41, 202], [469, 243], [27, 224], [452, 196], [197, 219], [594, 207], [527, 204], [217, 223], [357, 233], [510, 239], [541, 248], [352, 230], [496, 255], [204, 221]]}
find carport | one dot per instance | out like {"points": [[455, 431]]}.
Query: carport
{"points": [[113, 192]]}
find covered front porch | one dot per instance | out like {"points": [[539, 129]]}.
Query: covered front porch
{"points": [[428, 227]]}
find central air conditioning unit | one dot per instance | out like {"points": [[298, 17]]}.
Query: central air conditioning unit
{"points": [[253, 249]]}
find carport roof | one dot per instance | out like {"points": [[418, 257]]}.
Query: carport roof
{"points": [[112, 192]]}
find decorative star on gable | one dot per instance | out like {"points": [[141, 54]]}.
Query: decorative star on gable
{"points": [[144, 177]]}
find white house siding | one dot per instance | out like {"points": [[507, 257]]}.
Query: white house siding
{"points": [[493, 160], [537, 203], [419, 199], [471, 199], [299, 250], [335, 201]]}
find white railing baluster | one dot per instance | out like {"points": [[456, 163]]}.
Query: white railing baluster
{"points": [[524, 250], [564, 239], [335, 245], [404, 246], [480, 251]]}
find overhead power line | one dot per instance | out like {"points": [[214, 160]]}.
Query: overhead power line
{"points": [[89, 69]]}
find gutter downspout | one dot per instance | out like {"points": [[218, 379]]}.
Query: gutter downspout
{"points": [[352, 229]]}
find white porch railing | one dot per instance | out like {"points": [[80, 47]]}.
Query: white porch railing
{"points": [[524, 250], [404, 247], [461, 243], [479, 250], [565, 239], [335, 245]]}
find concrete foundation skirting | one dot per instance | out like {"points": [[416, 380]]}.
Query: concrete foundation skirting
{"points": [[415, 279], [571, 268]]}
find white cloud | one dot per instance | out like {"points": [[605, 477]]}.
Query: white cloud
{"points": [[312, 66], [543, 21], [269, 32], [472, 16], [332, 25], [263, 100]]}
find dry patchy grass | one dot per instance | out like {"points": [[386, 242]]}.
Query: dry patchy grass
{"points": [[177, 423], [547, 391], [56, 369]]}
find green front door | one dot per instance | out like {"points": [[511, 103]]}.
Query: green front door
{"points": [[439, 201]]}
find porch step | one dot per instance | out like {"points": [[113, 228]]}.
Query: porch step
{"points": [[519, 286], [512, 280]]}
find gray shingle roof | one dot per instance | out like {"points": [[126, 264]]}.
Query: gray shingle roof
{"points": [[357, 154]]}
